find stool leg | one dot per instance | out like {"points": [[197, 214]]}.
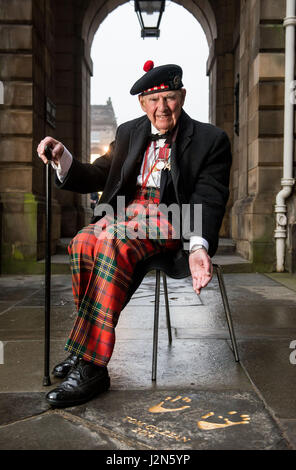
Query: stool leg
{"points": [[167, 308], [227, 311], [156, 321]]}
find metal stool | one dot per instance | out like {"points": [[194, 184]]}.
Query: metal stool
{"points": [[218, 270]]}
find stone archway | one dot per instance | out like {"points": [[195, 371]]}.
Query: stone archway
{"points": [[219, 66], [202, 10], [45, 58]]}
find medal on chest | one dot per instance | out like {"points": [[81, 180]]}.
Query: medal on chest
{"points": [[163, 160]]}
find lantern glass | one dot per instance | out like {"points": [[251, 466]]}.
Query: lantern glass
{"points": [[149, 15]]}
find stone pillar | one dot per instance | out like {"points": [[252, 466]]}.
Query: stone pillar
{"points": [[220, 69], [73, 102], [23, 62], [258, 168]]}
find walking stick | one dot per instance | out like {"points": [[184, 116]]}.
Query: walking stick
{"points": [[46, 378]]}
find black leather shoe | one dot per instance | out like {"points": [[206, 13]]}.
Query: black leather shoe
{"points": [[62, 369], [84, 381]]}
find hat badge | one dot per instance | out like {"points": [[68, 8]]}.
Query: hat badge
{"points": [[177, 80]]}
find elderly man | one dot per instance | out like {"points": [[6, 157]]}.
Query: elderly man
{"points": [[162, 158]]}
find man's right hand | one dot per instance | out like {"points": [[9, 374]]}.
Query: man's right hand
{"points": [[57, 149]]}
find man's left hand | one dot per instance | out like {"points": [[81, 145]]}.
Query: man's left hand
{"points": [[201, 269]]}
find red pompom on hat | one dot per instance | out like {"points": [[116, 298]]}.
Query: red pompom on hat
{"points": [[149, 64]]}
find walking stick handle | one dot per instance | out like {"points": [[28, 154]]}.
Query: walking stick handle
{"points": [[47, 152]]}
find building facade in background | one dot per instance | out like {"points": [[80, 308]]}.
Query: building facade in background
{"points": [[103, 128], [45, 72]]}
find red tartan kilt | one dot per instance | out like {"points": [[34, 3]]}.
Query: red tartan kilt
{"points": [[103, 258]]}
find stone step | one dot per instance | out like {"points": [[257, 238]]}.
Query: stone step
{"points": [[231, 263], [62, 246], [225, 256], [226, 246]]}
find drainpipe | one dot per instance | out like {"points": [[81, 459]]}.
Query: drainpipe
{"points": [[287, 181]]}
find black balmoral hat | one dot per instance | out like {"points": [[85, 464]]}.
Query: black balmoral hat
{"points": [[162, 78]]}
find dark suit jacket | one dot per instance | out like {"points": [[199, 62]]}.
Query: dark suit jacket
{"points": [[200, 167]]}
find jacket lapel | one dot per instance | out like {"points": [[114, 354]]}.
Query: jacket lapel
{"points": [[137, 146], [183, 139], [186, 129]]}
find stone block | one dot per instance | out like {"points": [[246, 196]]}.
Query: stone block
{"points": [[271, 65], [66, 79], [267, 66], [252, 181], [253, 102], [18, 178], [15, 149], [243, 248], [69, 45], [243, 113], [23, 226], [15, 10], [228, 62], [264, 180], [253, 128], [39, 175], [16, 122], [272, 9], [242, 185], [244, 222], [18, 94], [64, 62], [272, 94], [65, 95], [263, 254], [228, 113], [265, 151], [242, 44], [264, 203], [65, 129], [20, 230], [15, 37], [39, 107], [235, 179], [15, 66], [272, 37], [271, 122]]}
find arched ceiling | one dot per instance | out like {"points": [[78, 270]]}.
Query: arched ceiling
{"points": [[98, 10]]}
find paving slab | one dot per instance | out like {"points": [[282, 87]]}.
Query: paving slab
{"points": [[23, 366], [289, 429], [199, 367], [203, 363], [186, 419], [52, 431], [268, 364], [287, 279], [17, 406], [21, 323], [5, 305]]}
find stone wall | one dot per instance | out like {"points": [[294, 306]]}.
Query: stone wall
{"points": [[72, 101], [45, 54], [26, 50], [258, 156]]}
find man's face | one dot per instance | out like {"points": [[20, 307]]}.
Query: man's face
{"points": [[164, 108]]}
